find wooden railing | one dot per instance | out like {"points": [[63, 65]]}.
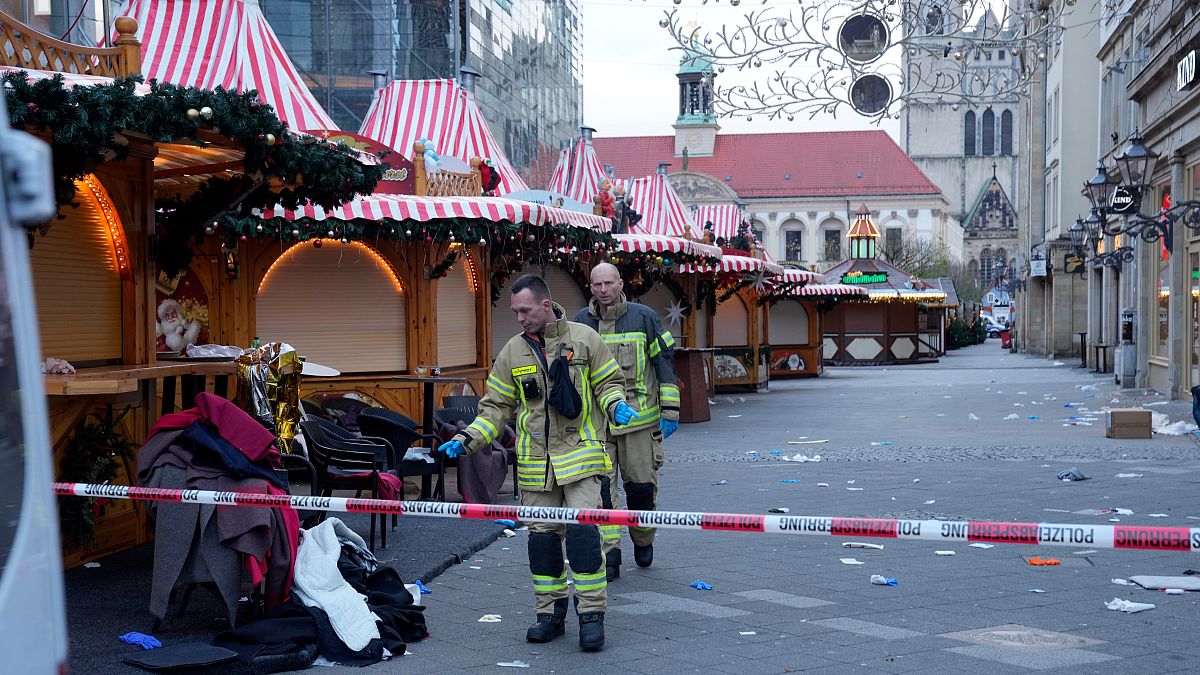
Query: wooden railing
{"points": [[24, 47], [445, 183]]}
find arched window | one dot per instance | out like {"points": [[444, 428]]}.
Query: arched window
{"points": [[973, 268], [989, 132], [1006, 147], [1001, 256], [985, 267], [969, 133]]}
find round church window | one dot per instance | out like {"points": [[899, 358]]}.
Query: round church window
{"points": [[870, 94], [863, 38]]}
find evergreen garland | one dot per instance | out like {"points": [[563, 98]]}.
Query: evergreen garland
{"points": [[84, 126]]}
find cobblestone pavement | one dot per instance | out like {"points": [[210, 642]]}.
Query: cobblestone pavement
{"points": [[784, 603]]}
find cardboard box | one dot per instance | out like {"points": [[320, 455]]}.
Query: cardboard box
{"points": [[1128, 423]]}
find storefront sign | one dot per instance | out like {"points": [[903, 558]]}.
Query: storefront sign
{"points": [[1122, 200], [1072, 263], [1185, 71], [860, 278], [1037, 268]]}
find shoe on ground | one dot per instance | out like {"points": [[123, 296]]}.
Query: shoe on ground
{"points": [[612, 573], [591, 631], [549, 626], [644, 555]]}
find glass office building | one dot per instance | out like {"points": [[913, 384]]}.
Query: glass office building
{"points": [[528, 51]]}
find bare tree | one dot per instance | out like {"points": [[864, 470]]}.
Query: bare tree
{"points": [[930, 259]]}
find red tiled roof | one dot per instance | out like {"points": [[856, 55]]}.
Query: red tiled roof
{"points": [[819, 163]]}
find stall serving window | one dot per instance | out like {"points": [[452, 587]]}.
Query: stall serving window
{"points": [[731, 325], [456, 313], [77, 268], [341, 305]]}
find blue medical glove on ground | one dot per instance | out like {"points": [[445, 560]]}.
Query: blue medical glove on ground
{"points": [[667, 427], [141, 640], [624, 414], [452, 449]]}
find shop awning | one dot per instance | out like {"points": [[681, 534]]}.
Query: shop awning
{"points": [[795, 276], [737, 263], [407, 111], [653, 243], [829, 289], [226, 43], [424, 209], [578, 174], [661, 209], [724, 217]]}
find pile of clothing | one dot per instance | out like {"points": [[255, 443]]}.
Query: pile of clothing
{"points": [[217, 446], [346, 607]]}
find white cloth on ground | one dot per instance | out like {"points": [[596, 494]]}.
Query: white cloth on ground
{"points": [[318, 583]]}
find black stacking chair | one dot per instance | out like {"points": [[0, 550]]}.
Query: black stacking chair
{"points": [[468, 404], [310, 408], [344, 411], [347, 462], [392, 427]]}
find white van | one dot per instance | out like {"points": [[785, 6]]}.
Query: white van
{"points": [[33, 625]]}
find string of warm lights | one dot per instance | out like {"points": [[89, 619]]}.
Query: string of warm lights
{"points": [[112, 222]]}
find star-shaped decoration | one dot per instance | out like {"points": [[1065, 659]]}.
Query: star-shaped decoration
{"points": [[675, 313], [759, 280]]}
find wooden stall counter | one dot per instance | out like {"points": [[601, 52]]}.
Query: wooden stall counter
{"points": [[121, 379]]}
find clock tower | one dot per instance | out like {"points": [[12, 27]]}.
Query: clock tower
{"points": [[696, 126]]}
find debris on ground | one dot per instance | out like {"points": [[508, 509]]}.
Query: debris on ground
{"points": [[140, 640], [979, 545], [513, 664], [852, 561], [782, 509], [1122, 582], [1157, 515], [930, 501], [789, 480], [1032, 417], [509, 533], [701, 586], [91, 564], [861, 544], [489, 618], [1036, 590], [747, 632], [1043, 562], [505, 522], [973, 417], [423, 589], [1012, 416], [943, 553], [880, 580], [734, 416], [1128, 475], [1072, 474], [801, 458], [1152, 583], [823, 440], [881, 443], [822, 484], [721, 482], [1119, 605], [853, 489], [1123, 512], [1163, 425]]}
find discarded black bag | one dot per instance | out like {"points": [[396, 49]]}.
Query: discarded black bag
{"points": [[182, 655], [563, 396]]}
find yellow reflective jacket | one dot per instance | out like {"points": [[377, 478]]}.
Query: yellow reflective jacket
{"points": [[520, 383], [646, 353]]}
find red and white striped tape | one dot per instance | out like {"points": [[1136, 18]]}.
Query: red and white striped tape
{"points": [[1032, 534]]}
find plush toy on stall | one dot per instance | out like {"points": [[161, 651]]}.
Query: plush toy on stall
{"points": [[432, 161], [606, 199], [488, 176]]}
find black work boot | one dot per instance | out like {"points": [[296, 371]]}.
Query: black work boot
{"points": [[591, 631], [612, 565], [550, 626], [644, 555]]}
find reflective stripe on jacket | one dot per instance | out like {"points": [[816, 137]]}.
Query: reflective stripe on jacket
{"points": [[646, 353], [573, 448]]}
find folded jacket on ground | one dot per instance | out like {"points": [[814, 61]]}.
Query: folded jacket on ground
{"points": [[318, 583]]}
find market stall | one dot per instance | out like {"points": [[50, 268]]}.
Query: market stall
{"points": [[896, 323], [796, 326]]}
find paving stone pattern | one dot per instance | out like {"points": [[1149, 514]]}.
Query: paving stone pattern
{"points": [[785, 603]]}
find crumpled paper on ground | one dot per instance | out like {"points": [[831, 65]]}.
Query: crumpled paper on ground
{"points": [[1163, 425], [1119, 605]]}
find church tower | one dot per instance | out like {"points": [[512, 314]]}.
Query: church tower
{"points": [[696, 126]]}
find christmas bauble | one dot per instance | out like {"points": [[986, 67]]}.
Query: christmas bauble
{"points": [[206, 112], [193, 114]]}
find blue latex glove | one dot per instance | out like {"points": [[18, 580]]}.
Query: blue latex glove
{"points": [[141, 640], [624, 414], [452, 448], [701, 586], [667, 427]]}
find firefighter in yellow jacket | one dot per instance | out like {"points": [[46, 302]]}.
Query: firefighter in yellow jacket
{"points": [[564, 386]]}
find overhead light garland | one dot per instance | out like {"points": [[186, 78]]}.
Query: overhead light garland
{"points": [[874, 57]]}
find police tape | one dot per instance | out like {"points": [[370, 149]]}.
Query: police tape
{"points": [[1047, 534]]}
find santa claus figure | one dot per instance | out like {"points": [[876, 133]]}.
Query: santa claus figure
{"points": [[606, 200], [173, 330]]}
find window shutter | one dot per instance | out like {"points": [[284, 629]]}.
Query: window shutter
{"points": [[78, 289], [789, 323], [338, 305], [731, 325], [456, 319]]}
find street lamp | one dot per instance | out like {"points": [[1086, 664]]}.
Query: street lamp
{"points": [[1137, 163], [1099, 189], [1078, 234]]}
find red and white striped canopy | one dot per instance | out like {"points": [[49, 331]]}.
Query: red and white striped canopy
{"points": [[578, 173], [791, 275], [407, 111], [737, 263], [661, 209], [829, 289], [227, 43], [378, 207], [724, 217], [655, 243]]}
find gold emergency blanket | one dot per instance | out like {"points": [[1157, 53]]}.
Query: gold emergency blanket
{"points": [[269, 389]]}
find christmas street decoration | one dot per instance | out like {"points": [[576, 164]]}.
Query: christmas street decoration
{"points": [[676, 313], [872, 56]]}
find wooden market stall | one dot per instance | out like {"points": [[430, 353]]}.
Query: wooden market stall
{"points": [[900, 320], [796, 326], [126, 202]]}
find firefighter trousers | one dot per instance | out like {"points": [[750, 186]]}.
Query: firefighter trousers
{"points": [[638, 456], [546, 540]]}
